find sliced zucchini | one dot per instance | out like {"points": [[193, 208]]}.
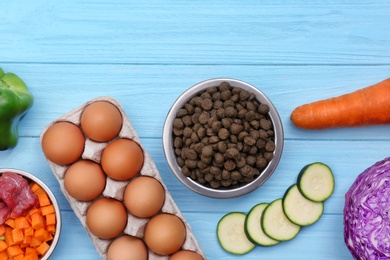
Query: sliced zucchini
{"points": [[300, 210], [253, 227], [231, 234], [276, 225], [316, 182]]}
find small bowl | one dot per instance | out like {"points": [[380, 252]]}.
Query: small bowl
{"points": [[30, 177], [236, 191]]}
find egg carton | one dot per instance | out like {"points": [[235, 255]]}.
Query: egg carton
{"points": [[115, 189]]}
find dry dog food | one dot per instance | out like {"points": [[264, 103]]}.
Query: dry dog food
{"points": [[223, 137]]}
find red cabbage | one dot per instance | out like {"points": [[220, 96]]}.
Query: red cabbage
{"points": [[367, 213]]}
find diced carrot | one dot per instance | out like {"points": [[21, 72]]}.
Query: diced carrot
{"points": [[49, 237], [42, 249], [17, 235], [47, 209], [19, 257], [3, 255], [42, 197], [21, 223], [8, 236], [51, 219], [34, 186], [10, 222], [37, 221], [2, 230], [28, 231], [29, 250], [41, 234], [14, 250], [35, 242], [27, 240], [33, 211], [31, 256], [3, 245], [51, 228]]}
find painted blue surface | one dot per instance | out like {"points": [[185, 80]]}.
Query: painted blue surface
{"points": [[145, 54]]}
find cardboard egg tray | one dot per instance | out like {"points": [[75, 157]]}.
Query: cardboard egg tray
{"points": [[114, 189]]}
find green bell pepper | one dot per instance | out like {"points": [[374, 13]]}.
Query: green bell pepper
{"points": [[15, 101]]}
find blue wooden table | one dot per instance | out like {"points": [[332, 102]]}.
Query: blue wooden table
{"points": [[146, 53]]}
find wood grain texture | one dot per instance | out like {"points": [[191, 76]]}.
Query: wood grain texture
{"points": [[145, 54]]}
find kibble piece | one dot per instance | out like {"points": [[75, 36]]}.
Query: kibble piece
{"points": [[236, 175], [265, 124], [182, 112], [270, 146], [178, 123], [204, 117], [208, 177], [244, 95], [191, 164], [178, 142], [251, 115], [216, 96], [215, 184], [229, 165], [217, 104], [207, 151], [230, 112], [223, 134], [186, 171], [226, 94], [263, 109], [224, 86], [221, 113], [207, 104], [232, 153], [221, 147], [212, 90], [190, 108], [236, 129], [261, 162], [191, 154]]}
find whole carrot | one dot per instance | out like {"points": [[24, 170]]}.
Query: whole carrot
{"points": [[364, 107]]}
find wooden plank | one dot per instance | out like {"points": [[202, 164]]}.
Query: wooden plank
{"points": [[60, 88], [194, 32]]}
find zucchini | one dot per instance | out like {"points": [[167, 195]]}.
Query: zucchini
{"points": [[231, 234], [299, 210], [253, 227], [316, 182], [276, 225]]}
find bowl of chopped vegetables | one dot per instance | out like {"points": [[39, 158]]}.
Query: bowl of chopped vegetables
{"points": [[223, 138], [30, 219]]}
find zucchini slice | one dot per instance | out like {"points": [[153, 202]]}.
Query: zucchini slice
{"points": [[253, 227], [299, 210], [231, 234], [316, 182], [276, 225]]}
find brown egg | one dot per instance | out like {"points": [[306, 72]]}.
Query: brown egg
{"points": [[101, 121], [106, 218], [122, 159], [127, 248], [165, 234], [63, 143], [186, 255], [85, 180], [144, 196]]}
